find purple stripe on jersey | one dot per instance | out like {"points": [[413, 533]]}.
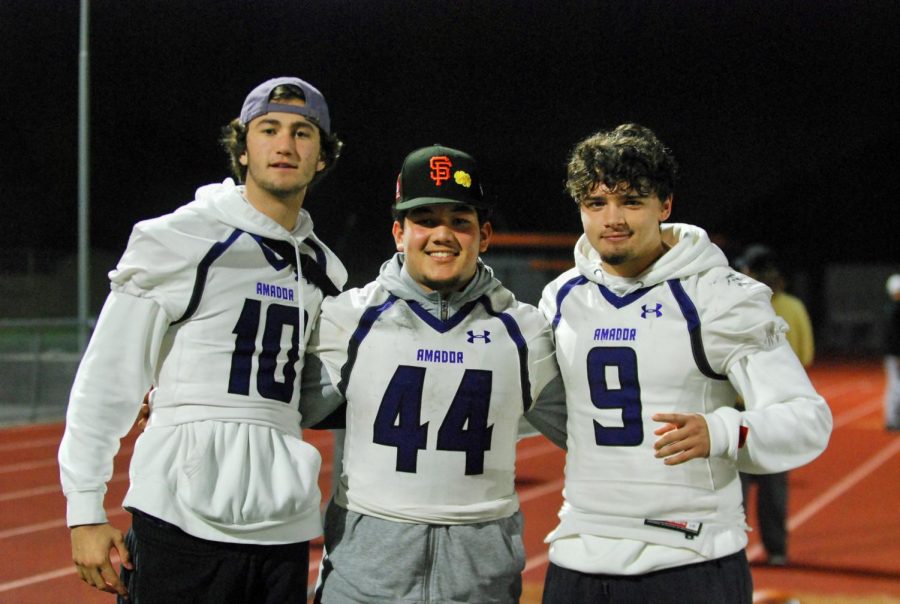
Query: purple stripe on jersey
{"points": [[366, 321], [693, 321], [516, 334], [279, 254], [321, 258], [562, 293], [684, 302], [435, 323], [276, 262], [621, 302], [268, 247], [211, 256]]}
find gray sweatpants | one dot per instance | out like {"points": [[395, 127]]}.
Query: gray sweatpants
{"points": [[369, 560]]}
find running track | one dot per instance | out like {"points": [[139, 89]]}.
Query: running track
{"points": [[844, 515]]}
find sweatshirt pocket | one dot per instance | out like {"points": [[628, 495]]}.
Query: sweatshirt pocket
{"points": [[248, 475]]}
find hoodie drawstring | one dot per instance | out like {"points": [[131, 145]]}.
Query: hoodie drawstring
{"points": [[300, 304]]}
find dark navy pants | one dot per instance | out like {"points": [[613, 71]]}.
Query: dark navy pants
{"points": [[771, 509], [172, 567], [722, 581]]}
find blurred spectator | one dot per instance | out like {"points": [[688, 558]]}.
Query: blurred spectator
{"points": [[761, 263], [892, 356]]}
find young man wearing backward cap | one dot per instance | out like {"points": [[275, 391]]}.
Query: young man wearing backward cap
{"points": [[437, 362], [214, 304]]}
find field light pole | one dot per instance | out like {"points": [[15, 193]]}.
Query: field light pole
{"points": [[83, 180]]}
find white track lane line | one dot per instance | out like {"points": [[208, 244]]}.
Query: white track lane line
{"points": [[43, 463], [40, 578], [56, 488], [31, 444], [847, 387], [836, 490], [50, 488], [870, 406]]}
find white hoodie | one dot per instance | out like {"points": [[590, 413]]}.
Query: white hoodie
{"points": [[685, 336], [206, 309]]}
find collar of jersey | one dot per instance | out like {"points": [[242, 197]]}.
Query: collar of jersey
{"points": [[622, 301], [437, 324]]}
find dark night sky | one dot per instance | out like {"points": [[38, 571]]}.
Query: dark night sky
{"points": [[782, 114]]}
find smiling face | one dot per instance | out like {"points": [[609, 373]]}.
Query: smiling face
{"points": [[283, 155], [623, 226], [442, 243]]}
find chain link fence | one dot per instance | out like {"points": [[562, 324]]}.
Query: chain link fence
{"points": [[38, 360]]}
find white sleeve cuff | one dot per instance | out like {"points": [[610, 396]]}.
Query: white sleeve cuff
{"points": [[724, 426], [85, 507]]}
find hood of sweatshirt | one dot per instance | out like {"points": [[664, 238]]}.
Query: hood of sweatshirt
{"points": [[690, 252], [226, 203], [394, 277]]}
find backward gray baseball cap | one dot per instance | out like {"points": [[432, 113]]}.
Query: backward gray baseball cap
{"points": [[257, 102]]}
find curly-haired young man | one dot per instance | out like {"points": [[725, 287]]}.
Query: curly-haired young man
{"points": [[655, 336]]}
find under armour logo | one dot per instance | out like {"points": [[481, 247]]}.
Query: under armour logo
{"points": [[484, 336], [656, 311], [440, 168]]}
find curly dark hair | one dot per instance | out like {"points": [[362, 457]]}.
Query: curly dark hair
{"points": [[234, 138], [629, 153]]}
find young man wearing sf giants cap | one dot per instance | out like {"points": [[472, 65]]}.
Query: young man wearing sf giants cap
{"points": [[437, 362], [214, 304]]}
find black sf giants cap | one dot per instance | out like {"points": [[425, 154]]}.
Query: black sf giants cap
{"points": [[438, 174]]}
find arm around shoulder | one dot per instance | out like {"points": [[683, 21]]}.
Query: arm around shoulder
{"points": [[320, 401], [548, 415], [327, 354], [548, 412]]}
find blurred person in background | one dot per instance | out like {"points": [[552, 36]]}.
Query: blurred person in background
{"points": [[892, 356], [761, 263]]}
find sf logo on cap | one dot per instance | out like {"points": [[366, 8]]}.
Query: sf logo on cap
{"points": [[440, 169]]}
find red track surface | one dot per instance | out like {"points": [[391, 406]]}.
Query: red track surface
{"points": [[844, 520]]}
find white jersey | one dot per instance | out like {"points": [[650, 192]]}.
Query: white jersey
{"points": [[671, 340], [433, 404], [207, 305]]}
